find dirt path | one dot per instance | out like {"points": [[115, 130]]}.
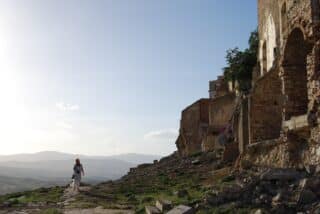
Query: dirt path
{"points": [[69, 197]]}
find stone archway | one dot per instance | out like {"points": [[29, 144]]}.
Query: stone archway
{"points": [[294, 77]]}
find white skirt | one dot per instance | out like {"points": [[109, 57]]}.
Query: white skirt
{"points": [[77, 179]]}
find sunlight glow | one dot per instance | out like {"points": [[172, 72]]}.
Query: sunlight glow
{"points": [[12, 113]]}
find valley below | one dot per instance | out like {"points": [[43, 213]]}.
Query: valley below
{"points": [[201, 183], [30, 171]]}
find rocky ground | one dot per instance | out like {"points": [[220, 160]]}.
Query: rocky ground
{"points": [[198, 184]]}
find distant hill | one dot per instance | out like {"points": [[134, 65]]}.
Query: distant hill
{"points": [[52, 155], [12, 184], [136, 158], [57, 169], [25, 171]]}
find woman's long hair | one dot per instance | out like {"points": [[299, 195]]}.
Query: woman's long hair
{"points": [[78, 162]]}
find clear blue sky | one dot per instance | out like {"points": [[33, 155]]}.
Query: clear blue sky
{"points": [[110, 76]]}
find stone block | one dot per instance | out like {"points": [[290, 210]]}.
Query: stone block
{"points": [[307, 197], [163, 205], [296, 123], [182, 209]]}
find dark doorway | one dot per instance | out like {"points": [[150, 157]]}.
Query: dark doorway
{"points": [[295, 75]]}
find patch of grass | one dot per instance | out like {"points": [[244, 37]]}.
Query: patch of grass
{"points": [[137, 191], [50, 195], [145, 191]]}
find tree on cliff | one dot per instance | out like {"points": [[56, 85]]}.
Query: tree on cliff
{"points": [[240, 64]]}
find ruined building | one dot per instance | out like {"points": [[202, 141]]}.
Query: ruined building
{"points": [[205, 125], [277, 124]]}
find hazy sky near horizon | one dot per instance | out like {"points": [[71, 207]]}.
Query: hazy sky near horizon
{"points": [[103, 77]]}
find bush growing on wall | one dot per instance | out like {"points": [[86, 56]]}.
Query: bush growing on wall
{"points": [[240, 64]]}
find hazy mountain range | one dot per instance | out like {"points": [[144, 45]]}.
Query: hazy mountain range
{"points": [[28, 171]]}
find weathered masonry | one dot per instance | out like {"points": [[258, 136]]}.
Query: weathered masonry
{"points": [[284, 102], [193, 127]]}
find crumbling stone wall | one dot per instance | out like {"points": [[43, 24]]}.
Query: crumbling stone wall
{"points": [[221, 110], [265, 108], [270, 153], [300, 60], [218, 87], [297, 59], [193, 127]]}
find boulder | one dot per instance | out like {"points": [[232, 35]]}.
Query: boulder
{"points": [[163, 205], [259, 211], [182, 209], [152, 210], [215, 200], [264, 198], [310, 183], [310, 169], [307, 197], [277, 198]]}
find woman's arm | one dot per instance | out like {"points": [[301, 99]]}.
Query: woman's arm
{"points": [[82, 170]]}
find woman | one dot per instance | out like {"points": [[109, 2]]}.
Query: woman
{"points": [[77, 172]]}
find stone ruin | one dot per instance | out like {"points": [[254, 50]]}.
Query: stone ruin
{"points": [[277, 123]]}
